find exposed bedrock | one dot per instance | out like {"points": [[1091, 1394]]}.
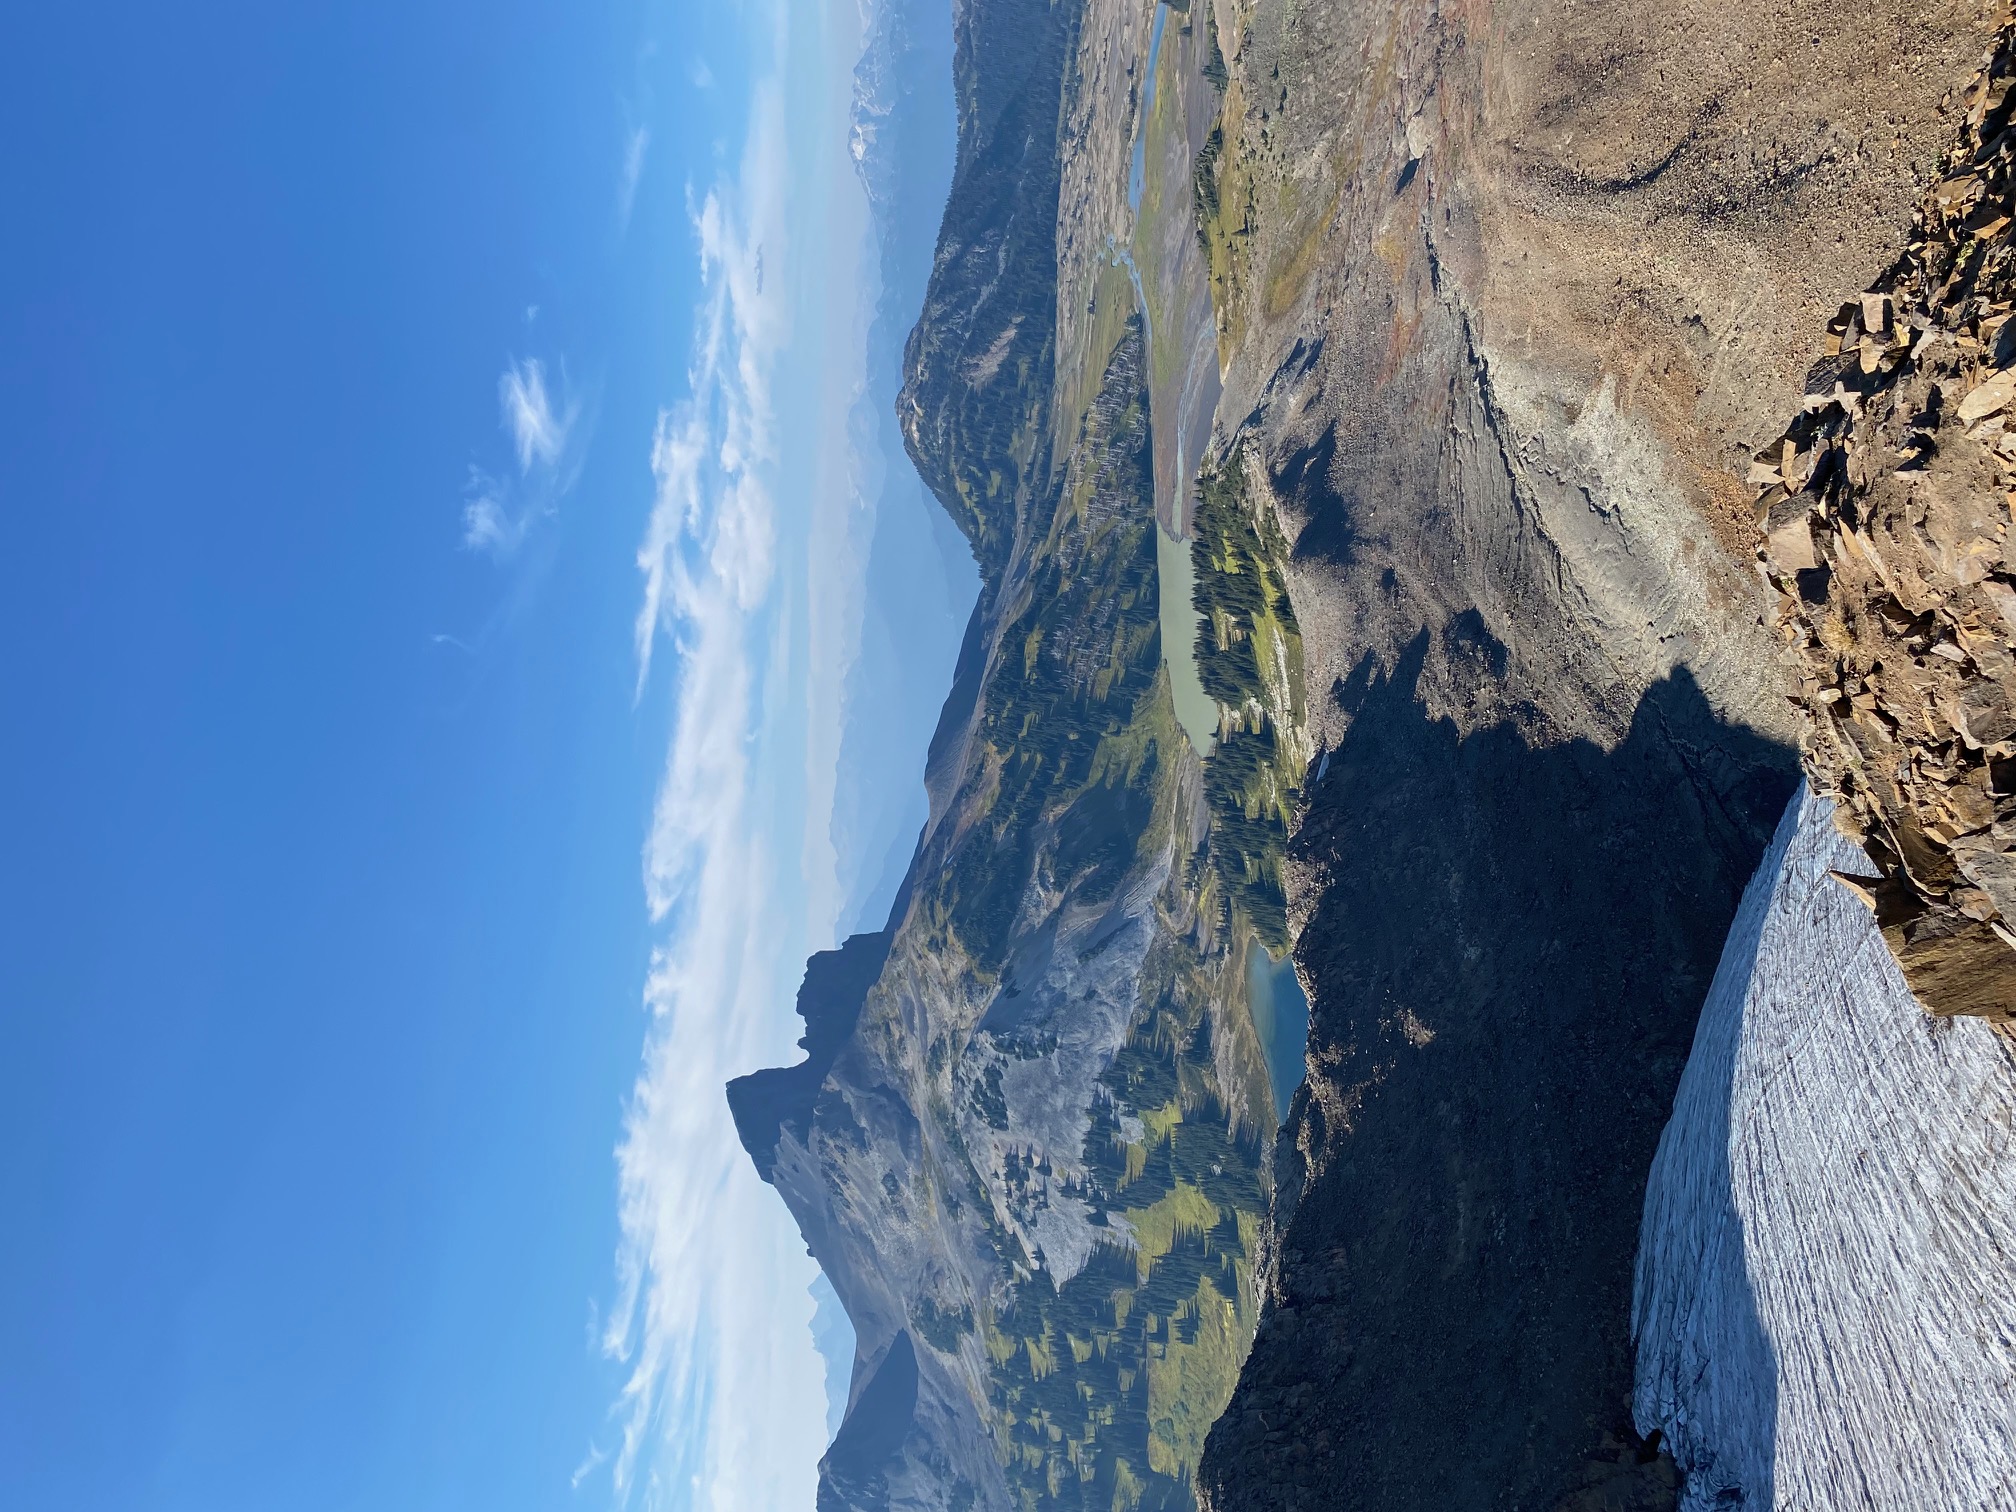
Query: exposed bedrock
{"points": [[1887, 507], [1826, 1294], [1514, 295]]}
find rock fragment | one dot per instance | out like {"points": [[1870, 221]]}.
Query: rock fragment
{"points": [[1885, 512]]}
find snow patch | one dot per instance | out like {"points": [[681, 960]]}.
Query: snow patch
{"points": [[1825, 1308]]}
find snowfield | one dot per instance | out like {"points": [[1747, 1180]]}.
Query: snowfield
{"points": [[1825, 1308]]}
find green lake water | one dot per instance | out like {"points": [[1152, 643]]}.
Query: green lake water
{"points": [[1176, 576], [1281, 1015]]}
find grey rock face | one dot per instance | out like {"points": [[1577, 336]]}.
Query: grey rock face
{"points": [[1826, 1293]]}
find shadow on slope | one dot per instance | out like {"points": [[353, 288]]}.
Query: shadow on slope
{"points": [[1508, 949], [855, 1469], [1695, 1311]]}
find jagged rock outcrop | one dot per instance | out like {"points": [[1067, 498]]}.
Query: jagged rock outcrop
{"points": [[1826, 1290], [1886, 506], [780, 1100]]}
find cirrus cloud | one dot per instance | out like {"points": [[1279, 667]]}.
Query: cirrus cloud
{"points": [[722, 1407], [499, 512]]}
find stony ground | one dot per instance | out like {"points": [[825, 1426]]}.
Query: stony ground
{"points": [[1512, 297], [1887, 507]]}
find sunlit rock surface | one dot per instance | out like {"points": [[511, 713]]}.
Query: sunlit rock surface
{"points": [[1826, 1293]]}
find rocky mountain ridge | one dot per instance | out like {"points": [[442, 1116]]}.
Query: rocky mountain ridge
{"points": [[1027, 1141], [1502, 732], [1886, 509], [1509, 300]]}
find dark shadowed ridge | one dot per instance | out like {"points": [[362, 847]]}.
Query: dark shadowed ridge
{"points": [[852, 1473], [1504, 1001]]}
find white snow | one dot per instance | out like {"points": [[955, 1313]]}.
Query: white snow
{"points": [[1826, 1290]]}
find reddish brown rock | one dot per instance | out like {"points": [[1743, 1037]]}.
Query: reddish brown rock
{"points": [[1885, 510]]}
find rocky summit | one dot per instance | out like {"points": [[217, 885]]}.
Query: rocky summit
{"points": [[1886, 510]]}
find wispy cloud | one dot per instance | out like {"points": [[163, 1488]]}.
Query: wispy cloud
{"points": [[722, 1405], [592, 1461], [489, 523], [634, 148], [713, 526], [540, 433], [499, 512]]}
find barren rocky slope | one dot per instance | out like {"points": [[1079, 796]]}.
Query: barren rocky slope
{"points": [[1886, 504], [1512, 297]]}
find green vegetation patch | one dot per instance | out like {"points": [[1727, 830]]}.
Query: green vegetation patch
{"points": [[1184, 1212], [1192, 1373], [943, 1327], [1214, 70], [1067, 717], [1249, 657], [1226, 198], [1161, 136], [1106, 1387], [1110, 310]]}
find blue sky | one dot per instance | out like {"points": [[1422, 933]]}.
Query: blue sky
{"points": [[434, 567]]}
